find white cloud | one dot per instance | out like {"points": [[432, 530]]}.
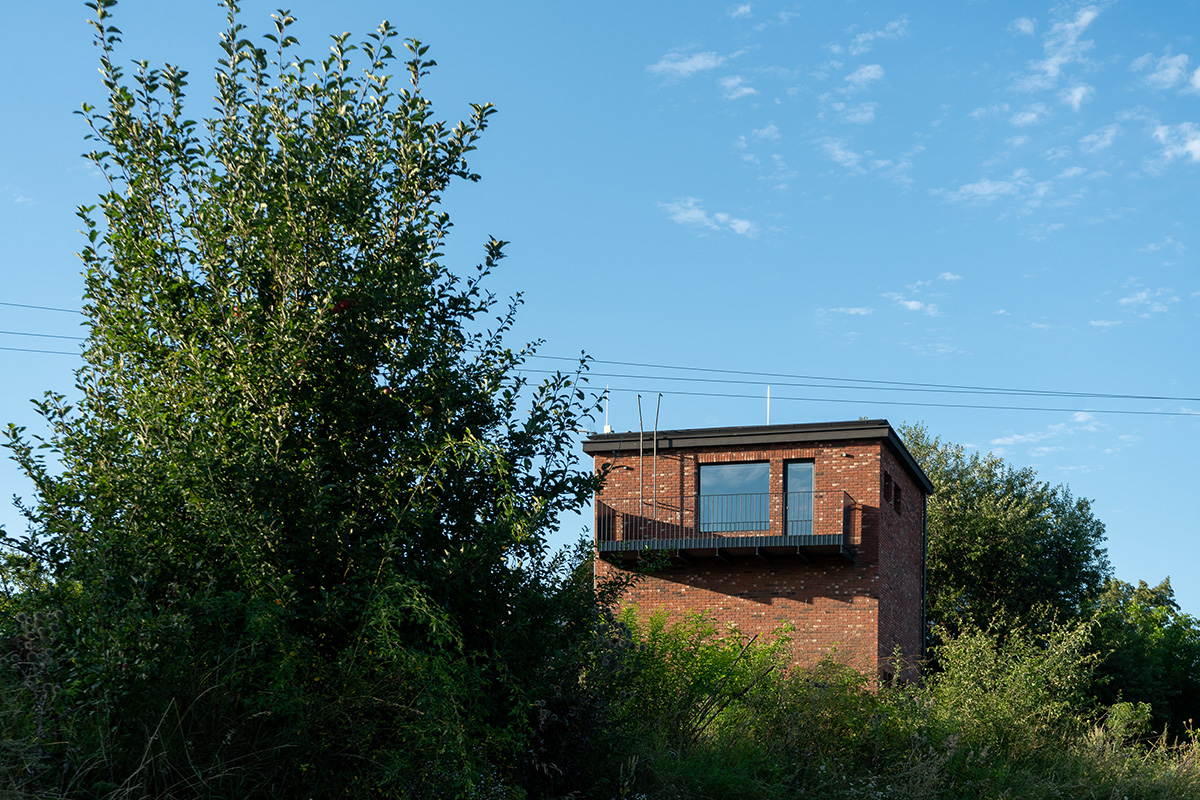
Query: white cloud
{"points": [[1072, 172], [689, 211], [1168, 242], [676, 65], [857, 311], [740, 11], [1099, 139], [837, 150], [1041, 232], [984, 191], [861, 114], [1076, 95], [735, 87], [949, 276], [1104, 323], [989, 111], [1061, 46], [1084, 421], [1149, 301], [1031, 115], [1168, 71], [770, 131], [929, 309], [1022, 26], [1179, 141], [864, 76], [1017, 141], [16, 194], [863, 42]]}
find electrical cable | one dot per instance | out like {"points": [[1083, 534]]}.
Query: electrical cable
{"points": [[42, 308]]}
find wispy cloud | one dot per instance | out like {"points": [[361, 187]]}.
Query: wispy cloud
{"points": [[16, 194], [864, 76], [1104, 323], [1030, 115], [769, 131], [1076, 96], [984, 191], [1099, 139], [839, 152], [856, 114], [1022, 26], [863, 42], [1149, 301], [676, 65], [1167, 243], [1166, 72], [856, 311], [1062, 46], [949, 276], [690, 211], [742, 10], [735, 87], [1078, 422], [929, 309], [1179, 141], [993, 110]]}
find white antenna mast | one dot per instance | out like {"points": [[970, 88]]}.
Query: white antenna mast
{"points": [[654, 470], [607, 427], [641, 460]]}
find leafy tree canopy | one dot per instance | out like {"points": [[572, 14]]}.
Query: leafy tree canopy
{"points": [[1004, 547], [303, 498], [1150, 652]]}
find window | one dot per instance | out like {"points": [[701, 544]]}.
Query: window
{"points": [[734, 497], [798, 502]]}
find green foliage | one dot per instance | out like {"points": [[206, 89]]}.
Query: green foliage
{"points": [[1008, 716], [1150, 652], [296, 522], [1003, 547], [1018, 693]]}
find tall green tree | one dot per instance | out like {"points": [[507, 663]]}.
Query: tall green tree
{"points": [[296, 521], [1149, 652], [1004, 548]]}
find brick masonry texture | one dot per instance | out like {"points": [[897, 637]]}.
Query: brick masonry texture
{"points": [[858, 611]]}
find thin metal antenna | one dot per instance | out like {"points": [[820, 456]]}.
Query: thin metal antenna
{"points": [[768, 404], [641, 459], [654, 489], [607, 427]]}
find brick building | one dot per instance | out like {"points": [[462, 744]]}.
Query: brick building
{"points": [[818, 525]]}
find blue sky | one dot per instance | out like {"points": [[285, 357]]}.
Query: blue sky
{"points": [[976, 194]]}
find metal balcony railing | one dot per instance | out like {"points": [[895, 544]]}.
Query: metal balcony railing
{"points": [[721, 522]]}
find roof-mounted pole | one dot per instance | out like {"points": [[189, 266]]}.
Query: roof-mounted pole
{"points": [[654, 470], [641, 457]]}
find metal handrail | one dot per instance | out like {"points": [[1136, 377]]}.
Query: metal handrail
{"points": [[691, 517]]}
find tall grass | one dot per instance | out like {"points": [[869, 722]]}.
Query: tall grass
{"points": [[1003, 718], [656, 708]]}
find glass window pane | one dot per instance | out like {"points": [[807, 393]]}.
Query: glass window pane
{"points": [[734, 497], [798, 503]]}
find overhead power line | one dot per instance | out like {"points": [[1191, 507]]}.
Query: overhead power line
{"points": [[868, 383], [29, 350], [978, 406], [43, 335], [42, 308]]}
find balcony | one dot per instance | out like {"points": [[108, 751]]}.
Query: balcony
{"points": [[769, 526]]}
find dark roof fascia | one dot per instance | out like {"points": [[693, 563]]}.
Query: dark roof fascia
{"points": [[599, 444]]}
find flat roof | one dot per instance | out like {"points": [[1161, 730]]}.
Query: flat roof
{"points": [[599, 444]]}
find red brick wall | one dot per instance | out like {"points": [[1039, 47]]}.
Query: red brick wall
{"points": [[859, 611], [901, 566]]}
